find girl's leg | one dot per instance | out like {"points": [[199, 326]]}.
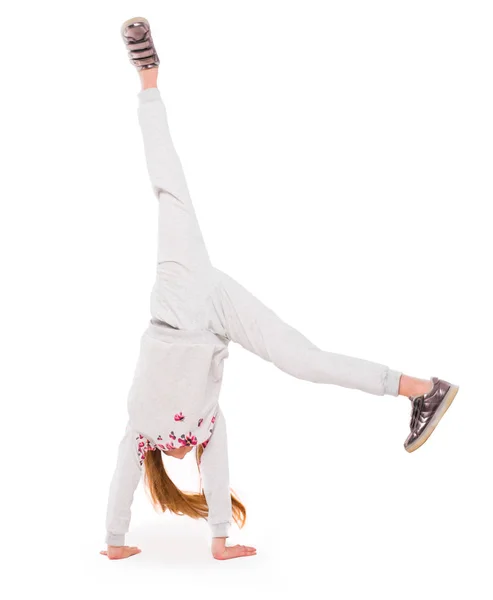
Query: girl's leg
{"points": [[184, 277], [239, 316]]}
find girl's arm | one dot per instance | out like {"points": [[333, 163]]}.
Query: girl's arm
{"points": [[123, 484], [214, 468]]}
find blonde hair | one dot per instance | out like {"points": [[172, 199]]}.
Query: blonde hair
{"points": [[166, 496]]}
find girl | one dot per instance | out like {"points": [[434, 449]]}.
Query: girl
{"points": [[196, 311]]}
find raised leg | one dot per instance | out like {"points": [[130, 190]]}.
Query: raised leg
{"points": [[240, 316], [184, 274]]}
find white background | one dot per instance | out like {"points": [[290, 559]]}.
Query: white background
{"points": [[339, 158]]}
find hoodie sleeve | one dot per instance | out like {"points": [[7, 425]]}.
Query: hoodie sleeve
{"points": [[214, 468], [123, 485]]}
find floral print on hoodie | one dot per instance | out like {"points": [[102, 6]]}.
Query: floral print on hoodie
{"points": [[145, 445]]}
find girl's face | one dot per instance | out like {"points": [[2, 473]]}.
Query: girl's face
{"points": [[179, 452]]}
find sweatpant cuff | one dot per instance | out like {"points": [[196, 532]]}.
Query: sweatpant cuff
{"points": [[149, 95], [391, 384]]}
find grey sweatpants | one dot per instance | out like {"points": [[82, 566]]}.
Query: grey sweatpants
{"points": [[190, 293]]}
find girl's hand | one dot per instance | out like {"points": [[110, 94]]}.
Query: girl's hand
{"points": [[116, 552], [222, 552]]}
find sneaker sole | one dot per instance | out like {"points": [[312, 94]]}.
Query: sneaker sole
{"points": [[447, 401], [122, 28], [129, 21]]}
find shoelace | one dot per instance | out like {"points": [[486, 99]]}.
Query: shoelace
{"points": [[417, 406]]}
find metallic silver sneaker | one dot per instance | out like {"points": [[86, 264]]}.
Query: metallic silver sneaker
{"points": [[427, 411], [136, 34]]}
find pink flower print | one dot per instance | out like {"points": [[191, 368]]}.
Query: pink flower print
{"points": [[170, 446], [189, 440], [172, 435], [200, 422], [160, 446], [204, 444], [213, 420], [179, 417], [143, 447], [159, 437]]}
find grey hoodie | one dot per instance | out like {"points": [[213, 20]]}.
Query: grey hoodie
{"points": [[173, 402]]}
